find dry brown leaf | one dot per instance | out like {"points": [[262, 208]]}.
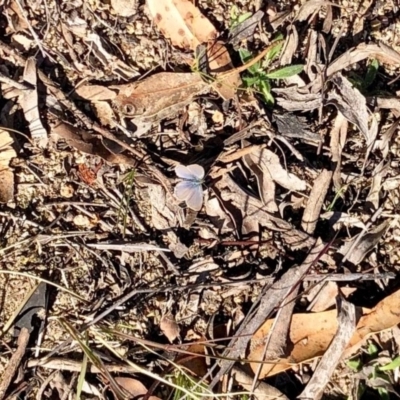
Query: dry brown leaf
{"points": [[95, 93], [323, 295], [169, 327], [248, 213], [265, 183], [245, 29], [338, 139], [290, 46], [89, 143], [270, 164], [182, 22], [6, 174], [309, 343], [324, 371], [380, 51], [294, 98], [109, 61], [315, 201], [220, 61], [337, 219], [166, 214], [352, 104], [158, 95], [380, 171], [356, 250], [30, 105], [134, 387]]}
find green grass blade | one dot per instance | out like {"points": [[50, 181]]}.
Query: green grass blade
{"points": [[285, 72]]}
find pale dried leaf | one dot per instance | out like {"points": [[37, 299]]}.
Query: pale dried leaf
{"points": [[95, 92], [261, 390], [6, 174], [290, 47], [310, 343], [380, 171], [315, 201], [104, 113], [22, 40], [270, 163], [308, 8], [380, 51], [337, 219], [124, 8], [182, 22], [30, 105], [266, 185], [365, 245], [352, 104], [116, 65], [165, 213], [6, 185], [323, 295], [169, 327], [331, 358], [242, 207], [77, 25], [294, 99]]}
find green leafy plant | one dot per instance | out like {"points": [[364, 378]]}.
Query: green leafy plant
{"points": [[363, 84], [258, 77], [236, 18]]}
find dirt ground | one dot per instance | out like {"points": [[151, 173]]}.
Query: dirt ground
{"points": [[123, 269]]}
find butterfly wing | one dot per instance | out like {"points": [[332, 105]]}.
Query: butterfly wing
{"points": [[193, 172], [197, 170], [183, 190], [195, 199]]}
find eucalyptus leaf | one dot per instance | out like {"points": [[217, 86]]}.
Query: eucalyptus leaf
{"points": [[285, 72]]}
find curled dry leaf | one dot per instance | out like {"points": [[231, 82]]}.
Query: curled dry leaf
{"points": [[352, 104], [89, 143], [220, 61], [357, 249], [309, 343], [6, 174], [271, 164], [169, 327], [310, 7], [182, 22], [30, 105]]}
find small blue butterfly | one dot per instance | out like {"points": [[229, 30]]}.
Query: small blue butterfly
{"points": [[190, 189]]}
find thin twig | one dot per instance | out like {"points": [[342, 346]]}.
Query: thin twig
{"points": [[14, 362]]}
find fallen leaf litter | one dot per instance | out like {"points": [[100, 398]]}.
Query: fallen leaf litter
{"points": [[121, 95]]}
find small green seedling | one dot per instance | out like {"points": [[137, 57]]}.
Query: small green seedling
{"points": [[236, 18], [259, 75]]}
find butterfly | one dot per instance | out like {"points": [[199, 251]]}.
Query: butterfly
{"points": [[190, 189]]}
